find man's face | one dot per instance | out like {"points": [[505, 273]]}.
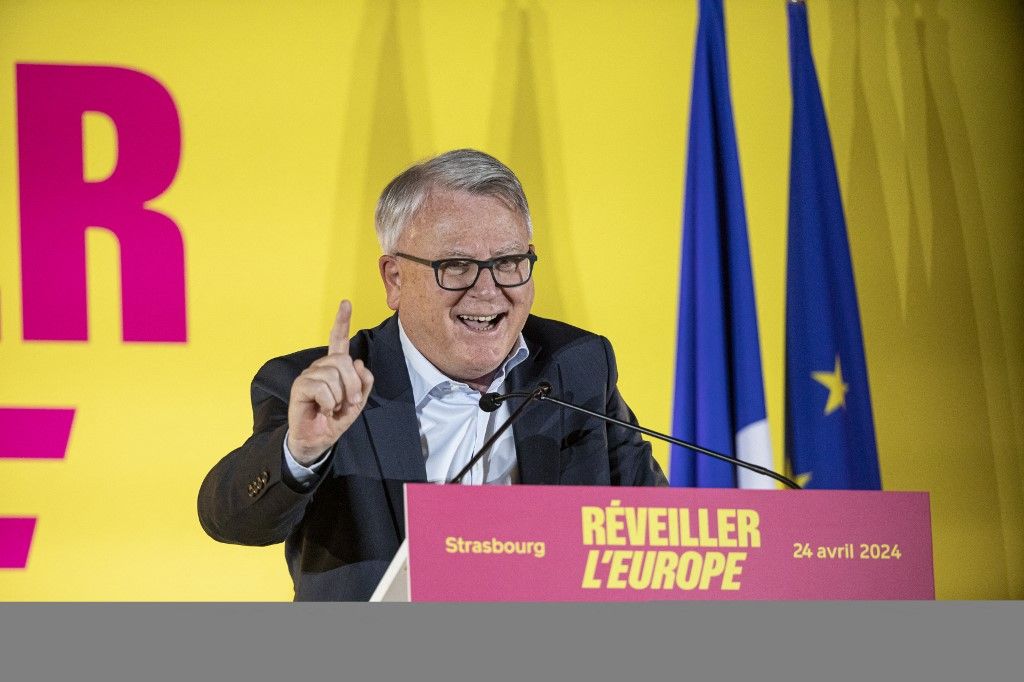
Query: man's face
{"points": [[453, 224]]}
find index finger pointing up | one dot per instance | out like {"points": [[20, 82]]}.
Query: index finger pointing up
{"points": [[338, 342]]}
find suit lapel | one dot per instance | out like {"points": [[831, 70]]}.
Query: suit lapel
{"points": [[390, 413], [537, 446]]}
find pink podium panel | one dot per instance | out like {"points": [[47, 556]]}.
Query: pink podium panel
{"points": [[554, 543]]}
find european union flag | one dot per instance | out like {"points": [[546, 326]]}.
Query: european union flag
{"points": [[719, 392], [830, 434]]}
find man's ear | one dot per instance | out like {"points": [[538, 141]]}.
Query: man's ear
{"points": [[392, 278]]}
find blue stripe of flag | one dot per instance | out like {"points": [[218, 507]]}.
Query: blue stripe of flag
{"points": [[718, 384]]}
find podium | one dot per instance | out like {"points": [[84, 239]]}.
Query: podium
{"points": [[569, 543]]}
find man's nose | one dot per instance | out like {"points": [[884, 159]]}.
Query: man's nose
{"points": [[485, 284]]}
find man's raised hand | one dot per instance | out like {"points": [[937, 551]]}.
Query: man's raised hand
{"points": [[328, 396]]}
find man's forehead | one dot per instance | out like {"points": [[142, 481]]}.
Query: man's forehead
{"points": [[457, 202], [452, 217], [475, 245]]}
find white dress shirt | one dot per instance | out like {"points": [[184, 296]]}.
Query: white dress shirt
{"points": [[452, 426]]}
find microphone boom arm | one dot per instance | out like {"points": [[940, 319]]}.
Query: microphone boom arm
{"points": [[535, 394], [711, 453]]}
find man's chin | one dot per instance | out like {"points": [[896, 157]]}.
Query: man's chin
{"points": [[481, 369]]}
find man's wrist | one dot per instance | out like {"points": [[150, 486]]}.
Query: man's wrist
{"points": [[300, 455], [303, 473]]}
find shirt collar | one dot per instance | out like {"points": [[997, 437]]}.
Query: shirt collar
{"points": [[425, 377]]}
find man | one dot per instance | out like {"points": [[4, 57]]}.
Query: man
{"points": [[338, 430]]}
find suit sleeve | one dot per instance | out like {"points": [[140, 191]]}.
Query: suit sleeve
{"points": [[247, 498], [630, 459]]}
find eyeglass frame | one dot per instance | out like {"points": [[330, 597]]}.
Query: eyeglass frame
{"points": [[481, 265]]}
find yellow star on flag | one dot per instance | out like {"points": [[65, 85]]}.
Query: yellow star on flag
{"points": [[833, 381], [800, 479]]}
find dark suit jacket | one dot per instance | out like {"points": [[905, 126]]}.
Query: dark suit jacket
{"points": [[341, 533]]}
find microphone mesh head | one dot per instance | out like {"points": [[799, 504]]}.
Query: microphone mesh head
{"points": [[489, 402]]}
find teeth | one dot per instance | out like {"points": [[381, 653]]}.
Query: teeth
{"points": [[479, 318]]}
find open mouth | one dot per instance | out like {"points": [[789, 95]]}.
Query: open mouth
{"points": [[481, 323]]}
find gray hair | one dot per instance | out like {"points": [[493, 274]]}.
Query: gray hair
{"points": [[465, 170]]}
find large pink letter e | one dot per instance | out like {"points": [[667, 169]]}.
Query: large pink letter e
{"points": [[57, 204]]}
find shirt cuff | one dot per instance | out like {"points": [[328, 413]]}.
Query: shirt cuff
{"points": [[302, 474]]}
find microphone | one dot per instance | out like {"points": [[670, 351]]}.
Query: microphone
{"points": [[492, 401], [496, 399], [489, 403]]}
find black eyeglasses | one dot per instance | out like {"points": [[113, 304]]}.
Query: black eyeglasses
{"points": [[459, 274]]}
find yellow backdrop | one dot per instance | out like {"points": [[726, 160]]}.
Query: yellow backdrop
{"points": [[294, 115]]}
